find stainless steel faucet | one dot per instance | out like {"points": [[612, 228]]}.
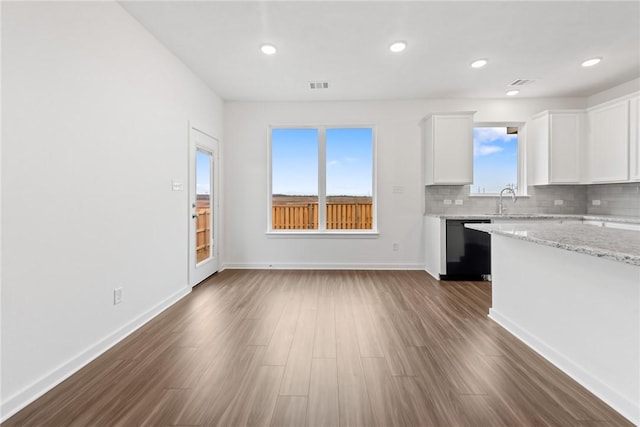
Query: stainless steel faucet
{"points": [[509, 189]]}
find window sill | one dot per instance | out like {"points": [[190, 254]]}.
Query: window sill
{"points": [[288, 234]]}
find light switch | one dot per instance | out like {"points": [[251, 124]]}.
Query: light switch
{"points": [[177, 185]]}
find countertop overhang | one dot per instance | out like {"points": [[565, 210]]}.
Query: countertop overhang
{"points": [[603, 242], [536, 216]]}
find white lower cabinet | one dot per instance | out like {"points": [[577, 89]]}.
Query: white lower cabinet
{"points": [[435, 246]]}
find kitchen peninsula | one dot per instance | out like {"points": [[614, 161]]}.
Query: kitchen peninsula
{"points": [[572, 293]]}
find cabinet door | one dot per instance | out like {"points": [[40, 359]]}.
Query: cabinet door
{"points": [[564, 149], [453, 149], [634, 151], [538, 145], [609, 137]]}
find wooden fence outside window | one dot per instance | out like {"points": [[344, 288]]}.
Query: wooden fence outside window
{"points": [[339, 216]]}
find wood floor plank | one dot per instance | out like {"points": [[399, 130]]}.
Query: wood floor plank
{"points": [[291, 411], [388, 409], [354, 407], [229, 366], [366, 333], [390, 340], [348, 348], [231, 390], [324, 343], [323, 394], [278, 348], [475, 409], [255, 401], [298, 368]]}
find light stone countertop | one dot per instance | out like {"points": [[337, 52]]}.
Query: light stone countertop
{"points": [[603, 242], [535, 216]]}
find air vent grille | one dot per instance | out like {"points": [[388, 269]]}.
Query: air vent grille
{"points": [[521, 82], [319, 85]]}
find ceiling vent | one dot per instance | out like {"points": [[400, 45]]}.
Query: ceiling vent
{"points": [[521, 82], [319, 85]]}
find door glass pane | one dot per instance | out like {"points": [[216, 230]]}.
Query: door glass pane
{"points": [[349, 178], [294, 179], [204, 229]]}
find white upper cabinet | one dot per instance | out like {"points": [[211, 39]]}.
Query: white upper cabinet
{"points": [[554, 140], [634, 158], [609, 132], [448, 148]]}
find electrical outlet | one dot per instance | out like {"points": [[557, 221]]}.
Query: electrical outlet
{"points": [[459, 201], [595, 202], [395, 246], [447, 201], [558, 202], [117, 296]]}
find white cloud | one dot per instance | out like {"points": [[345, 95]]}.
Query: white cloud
{"points": [[333, 163], [489, 140], [484, 150], [493, 134]]}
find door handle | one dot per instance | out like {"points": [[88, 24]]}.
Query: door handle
{"points": [[194, 216]]}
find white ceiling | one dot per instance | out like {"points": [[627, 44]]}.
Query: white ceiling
{"points": [[346, 44]]}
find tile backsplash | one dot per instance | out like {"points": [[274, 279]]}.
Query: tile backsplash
{"points": [[614, 199], [597, 199]]}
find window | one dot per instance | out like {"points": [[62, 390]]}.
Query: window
{"points": [[322, 179], [495, 159]]}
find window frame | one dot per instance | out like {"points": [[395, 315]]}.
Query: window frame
{"points": [[322, 230], [521, 163]]}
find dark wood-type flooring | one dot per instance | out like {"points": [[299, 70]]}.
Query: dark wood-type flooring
{"points": [[322, 348]]}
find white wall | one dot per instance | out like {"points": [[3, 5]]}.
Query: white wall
{"points": [[94, 114], [398, 164]]}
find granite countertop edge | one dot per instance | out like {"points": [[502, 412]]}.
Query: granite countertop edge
{"points": [[576, 217], [615, 252]]}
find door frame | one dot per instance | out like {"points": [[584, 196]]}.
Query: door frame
{"points": [[211, 265]]}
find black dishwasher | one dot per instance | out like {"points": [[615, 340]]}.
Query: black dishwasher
{"points": [[468, 251]]}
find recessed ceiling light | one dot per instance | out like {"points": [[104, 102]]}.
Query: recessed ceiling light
{"points": [[268, 49], [512, 92], [591, 62], [398, 46], [479, 63]]}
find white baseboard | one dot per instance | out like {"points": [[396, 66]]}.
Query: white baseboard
{"points": [[320, 266], [30, 393], [627, 408]]}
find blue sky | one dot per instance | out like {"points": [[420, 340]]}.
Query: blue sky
{"points": [[495, 159], [203, 173], [349, 154]]}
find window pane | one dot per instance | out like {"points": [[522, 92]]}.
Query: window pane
{"points": [[495, 159], [204, 227], [294, 179], [349, 154]]}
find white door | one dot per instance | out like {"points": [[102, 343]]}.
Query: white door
{"points": [[203, 206]]}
